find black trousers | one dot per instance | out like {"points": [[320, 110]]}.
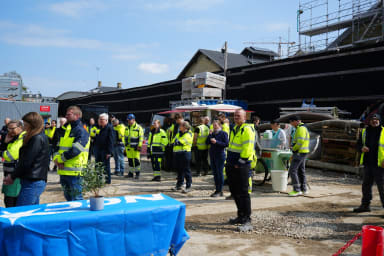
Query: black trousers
{"points": [[182, 162], [238, 185], [372, 174], [202, 161]]}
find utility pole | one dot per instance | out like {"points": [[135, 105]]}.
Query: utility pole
{"points": [[224, 50]]}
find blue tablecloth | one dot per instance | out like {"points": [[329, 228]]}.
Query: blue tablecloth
{"points": [[129, 225]]}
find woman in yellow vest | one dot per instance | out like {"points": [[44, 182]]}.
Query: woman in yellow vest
{"points": [[11, 146], [182, 144], [157, 142]]}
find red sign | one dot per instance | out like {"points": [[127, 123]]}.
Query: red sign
{"points": [[45, 108], [14, 83]]}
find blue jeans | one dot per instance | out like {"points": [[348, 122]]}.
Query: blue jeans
{"points": [[217, 165], [101, 157], [72, 187], [118, 155], [30, 192], [182, 161], [297, 172]]}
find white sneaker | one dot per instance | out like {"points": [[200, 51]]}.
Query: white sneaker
{"points": [[306, 192]]}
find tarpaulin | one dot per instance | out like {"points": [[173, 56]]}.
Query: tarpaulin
{"points": [[128, 225]]}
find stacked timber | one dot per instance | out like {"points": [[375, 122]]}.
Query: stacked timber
{"points": [[339, 143], [203, 85], [187, 84]]}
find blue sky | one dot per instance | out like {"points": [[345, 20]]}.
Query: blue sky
{"points": [[57, 46]]}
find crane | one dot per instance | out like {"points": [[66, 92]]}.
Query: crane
{"points": [[278, 43]]}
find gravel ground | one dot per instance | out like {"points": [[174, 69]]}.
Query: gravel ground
{"points": [[317, 225]]}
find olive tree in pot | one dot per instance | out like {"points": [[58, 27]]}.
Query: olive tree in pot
{"points": [[92, 181]]}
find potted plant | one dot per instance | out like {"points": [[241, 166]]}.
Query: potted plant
{"points": [[92, 181]]}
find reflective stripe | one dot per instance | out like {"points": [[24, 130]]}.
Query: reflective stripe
{"points": [[64, 148], [8, 169], [157, 153], [234, 150], [302, 138], [72, 168], [247, 142], [79, 147], [9, 155], [235, 144], [381, 145], [180, 150]]}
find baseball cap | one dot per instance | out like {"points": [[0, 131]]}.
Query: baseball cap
{"points": [[131, 116], [294, 118], [376, 116]]}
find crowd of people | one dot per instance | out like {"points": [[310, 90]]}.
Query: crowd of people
{"points": [[29, 145]]}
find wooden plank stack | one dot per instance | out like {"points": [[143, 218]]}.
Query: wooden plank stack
{"points": [[203, 85], [339, 145]]}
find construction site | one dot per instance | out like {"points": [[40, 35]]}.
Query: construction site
{"points": [[330, 78]]}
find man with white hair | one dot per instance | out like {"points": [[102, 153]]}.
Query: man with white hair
{"points": [[103, 147]]}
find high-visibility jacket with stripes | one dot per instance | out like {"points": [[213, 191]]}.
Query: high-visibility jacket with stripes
{"points": [[185, 142], [11, 155], [170, 133], [380, 158], [50, 132], [202, 135], [301, 139], [134, 136], [75, 165], [157, 141], [241, 145], [120, 130]]}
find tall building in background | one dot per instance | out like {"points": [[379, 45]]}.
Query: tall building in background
{"points": [[11, 86]]}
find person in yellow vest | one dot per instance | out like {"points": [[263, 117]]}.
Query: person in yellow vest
{"points": [[182, 145], [72, 156], [172, 130], [371, 146], [240, 154], [93, 130], [157, 141], [200, 137], [10, 148], [134, 136], [300, 149], [118, 147]]}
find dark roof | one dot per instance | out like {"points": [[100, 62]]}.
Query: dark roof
{"points": [[260, 51], [103, 89], [234, 60]]}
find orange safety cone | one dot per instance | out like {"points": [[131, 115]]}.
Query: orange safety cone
{"points": [[372, 244]]}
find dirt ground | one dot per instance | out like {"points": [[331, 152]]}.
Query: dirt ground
{"points": [[318, 224]]}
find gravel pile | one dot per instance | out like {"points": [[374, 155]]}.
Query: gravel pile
{"points": [[298, 225]]}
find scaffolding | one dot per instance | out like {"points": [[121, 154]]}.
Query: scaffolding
{"points": [[335, 24]]}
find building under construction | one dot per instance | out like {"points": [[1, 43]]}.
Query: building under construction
{"points": [[344, 72]]}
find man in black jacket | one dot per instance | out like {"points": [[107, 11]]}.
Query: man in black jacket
{"points": [[103, 146], [369, 144]]}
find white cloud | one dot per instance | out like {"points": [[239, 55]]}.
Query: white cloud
{"points": [[276, 27], [76, 8], [188, 5], [125, 57], [154, 68], [60, 42]]}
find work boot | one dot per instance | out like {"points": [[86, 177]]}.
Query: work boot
{"points": [[186, 190], [217, 194], [230, 197], [156, 178], [362, 208], [198, 174], [137, 176], [130, 175], [237, 220], [246, 227], [176, 188]]}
